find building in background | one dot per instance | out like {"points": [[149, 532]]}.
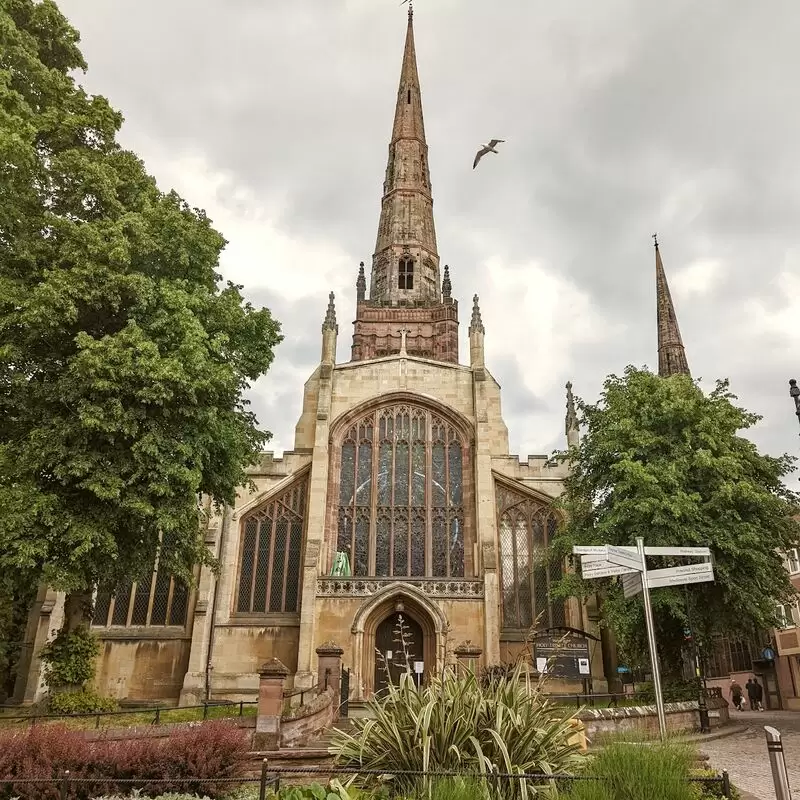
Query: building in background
{"points": [[400, 498]]}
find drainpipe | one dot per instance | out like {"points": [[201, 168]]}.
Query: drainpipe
{"points": [[223, 533]]}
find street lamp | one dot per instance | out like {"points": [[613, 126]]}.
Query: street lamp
{"points": [[794, 393]]}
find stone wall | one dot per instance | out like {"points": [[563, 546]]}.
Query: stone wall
{"points": [[308, 721], [681, 718], [140, 666]]}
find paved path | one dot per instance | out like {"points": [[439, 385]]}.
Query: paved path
{"points": [[744, 755]]}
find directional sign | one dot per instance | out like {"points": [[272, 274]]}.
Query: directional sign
{"points": [[678, 576], [632, 584], [602, 566], [624, 558], [686, 552], [605, 571], [590, 550]]}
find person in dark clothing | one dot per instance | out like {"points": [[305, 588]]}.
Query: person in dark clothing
{"points": [[750, 688], [759, 690]]}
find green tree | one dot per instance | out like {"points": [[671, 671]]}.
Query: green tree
{"points": [[663, 460], [124, 358]]}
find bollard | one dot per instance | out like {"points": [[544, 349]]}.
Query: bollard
{"points": [[726, 784], [777, 762], [702, 708], [64, 785], [262, 789]]}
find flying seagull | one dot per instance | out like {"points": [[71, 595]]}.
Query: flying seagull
{"points": [[487, 148]]}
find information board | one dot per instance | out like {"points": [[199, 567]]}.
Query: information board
{"points": [[562, 656]]}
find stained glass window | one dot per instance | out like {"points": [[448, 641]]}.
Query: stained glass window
{"points": [[401, 494], [272, 541], [526, 527]]}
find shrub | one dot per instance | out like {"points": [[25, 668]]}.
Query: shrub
{"points": [[189, 762], [630, 771], [70, 659], [81, 702], [459, 724], [673, 692]]}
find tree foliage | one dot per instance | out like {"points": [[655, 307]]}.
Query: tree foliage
{"points": [[662, 460], [124, 358]]}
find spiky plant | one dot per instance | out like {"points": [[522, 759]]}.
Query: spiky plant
{"points": [[458, 724]]}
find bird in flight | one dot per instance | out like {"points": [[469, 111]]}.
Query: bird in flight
{"points": [[487, 148]]}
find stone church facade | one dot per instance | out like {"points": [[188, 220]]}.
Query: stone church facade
{"points": [[399, 497]]}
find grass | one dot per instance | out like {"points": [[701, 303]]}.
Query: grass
{"points": [[626, 770], [121, 719]]}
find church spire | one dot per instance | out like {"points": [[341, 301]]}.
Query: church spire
{"points": [[671, 353], [406, 288], [405, 265]]}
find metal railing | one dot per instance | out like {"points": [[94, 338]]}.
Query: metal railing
{"points": [[614, 699], [237, 709], [271, 778]]}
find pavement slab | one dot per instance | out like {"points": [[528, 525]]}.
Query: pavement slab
{"points": [[744, 754]]}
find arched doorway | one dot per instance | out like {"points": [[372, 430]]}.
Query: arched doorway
{"points": [[399, 646], [430, 628]]}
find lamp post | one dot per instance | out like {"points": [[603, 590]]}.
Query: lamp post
{"points": [[794, 393]]}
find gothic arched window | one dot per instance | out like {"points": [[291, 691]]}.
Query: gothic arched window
{"points": [[272, 540], [526, 527], [405, 274], [401, 494]]}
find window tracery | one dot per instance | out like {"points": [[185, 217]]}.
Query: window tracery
{"points": [[401, 495], [405, 275], [155, 599], [526, 528], [269, 566]]}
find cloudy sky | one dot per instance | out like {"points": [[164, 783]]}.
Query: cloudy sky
{"points": [[621, 118]]}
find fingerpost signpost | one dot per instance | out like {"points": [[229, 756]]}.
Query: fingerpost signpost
{"points": [[630, 564]]}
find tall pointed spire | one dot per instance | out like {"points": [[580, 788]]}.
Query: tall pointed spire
{"points": [[405, 266], [406, 289], [671, 353]]}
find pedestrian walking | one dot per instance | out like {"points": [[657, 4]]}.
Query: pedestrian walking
{"points": [[750, 688], [759, 694], [736, 694]]}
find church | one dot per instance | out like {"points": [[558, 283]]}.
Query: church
{"points": [[400, 497]]}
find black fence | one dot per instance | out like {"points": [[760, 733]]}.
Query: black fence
{"points": [[160, 713], [271, 778], [617, 699]]}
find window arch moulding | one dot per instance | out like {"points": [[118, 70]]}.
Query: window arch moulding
{"points": [[526, 524], [272, 537], [401, 500]]}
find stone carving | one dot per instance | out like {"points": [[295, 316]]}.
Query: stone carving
{"points": [[365, 587], [312, 553], [489, 556]]}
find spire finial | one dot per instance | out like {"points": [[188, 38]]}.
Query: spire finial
{"points": [[571, 420], [330, 316], [410, 8], [655, 240], [447, 287], [361, 283], [476, 323]]}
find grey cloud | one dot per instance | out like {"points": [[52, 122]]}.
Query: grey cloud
{"points": [[620, 118]]}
